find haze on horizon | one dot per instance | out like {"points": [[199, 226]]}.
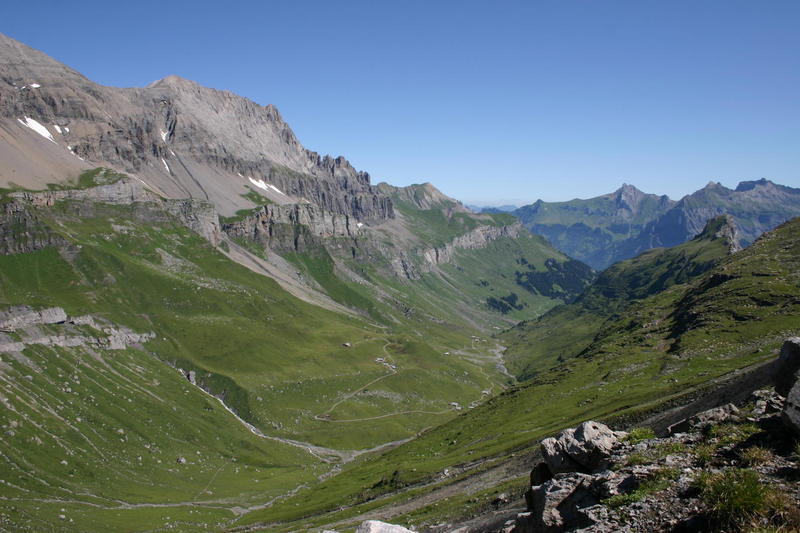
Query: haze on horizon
{"points": [[492, 103]]}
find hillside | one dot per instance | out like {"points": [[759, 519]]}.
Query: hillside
{"points": [[603, 230], [741, 311], [565, 331]]}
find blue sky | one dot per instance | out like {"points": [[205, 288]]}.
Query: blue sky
{"points": [[492, 102]]}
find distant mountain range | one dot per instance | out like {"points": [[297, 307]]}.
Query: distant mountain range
{"points": [[508, 208], [603, 230]]}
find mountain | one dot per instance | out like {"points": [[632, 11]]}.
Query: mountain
{"points": [[327, 224], [564, 331], [199, 317], [181, 139], [493, 209], [589, 230], [603, 230], [756, 206]]}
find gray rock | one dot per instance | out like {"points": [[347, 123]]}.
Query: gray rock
{"points": [[557, 502], [586, 448], [20, 317], [788, 366], [791, 409], [705, 419], [376, 526]]}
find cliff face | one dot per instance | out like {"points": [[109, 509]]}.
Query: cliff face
{"points": [[22, 231], [183, 139], [279, 226], [413, 263]]}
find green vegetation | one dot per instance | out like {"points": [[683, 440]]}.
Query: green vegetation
{"points": [[637, 435], [735, 497], [415, 362], [567, 331], [655, 482], [638, 363]]}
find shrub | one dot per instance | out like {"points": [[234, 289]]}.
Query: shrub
{"points": [[705, 453], [755, 455], [734, 497], [637, 435]]}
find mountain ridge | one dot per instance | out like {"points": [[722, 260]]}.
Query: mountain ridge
{"points": [[619, 225]]}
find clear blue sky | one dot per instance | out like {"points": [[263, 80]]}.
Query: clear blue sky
{"points": [[491, 101]]}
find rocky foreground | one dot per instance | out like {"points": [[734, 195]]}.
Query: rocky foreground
{"points": [[725, 469]]}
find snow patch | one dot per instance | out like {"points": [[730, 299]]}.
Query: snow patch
{"points": [[66, 129], [240, 174], [259, 183], [35, 85], [165, 165], [57, 127], [359, 224], [38, 128], [164, 136]]}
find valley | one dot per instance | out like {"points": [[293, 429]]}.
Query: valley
{"points": [[205, 326]]}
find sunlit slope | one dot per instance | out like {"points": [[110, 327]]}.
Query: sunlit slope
{"points": [[567, 330], [736, 314]]}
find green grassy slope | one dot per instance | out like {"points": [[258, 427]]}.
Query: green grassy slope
{"points": [[663, 347], [567, 330], [280, 363]]}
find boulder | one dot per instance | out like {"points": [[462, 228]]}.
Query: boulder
{"points": [[586, 448], [376, 526], [705, 419], [557, 503], [791, 408], [787, 367]]}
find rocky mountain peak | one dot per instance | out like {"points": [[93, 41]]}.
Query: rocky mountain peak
{"points": [[180, 138], [628, 196], [722, 227], [750, 185]]}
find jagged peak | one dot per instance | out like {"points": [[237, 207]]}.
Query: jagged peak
{"points": [[721, 227], [627, 188], [750, 185]]}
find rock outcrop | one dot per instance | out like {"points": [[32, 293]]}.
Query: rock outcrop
{"points": [[25, 324], [197, 215], [656, 484], [22, 316], [585, 448], [277, 226], [480, 237], [788, 382]]}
